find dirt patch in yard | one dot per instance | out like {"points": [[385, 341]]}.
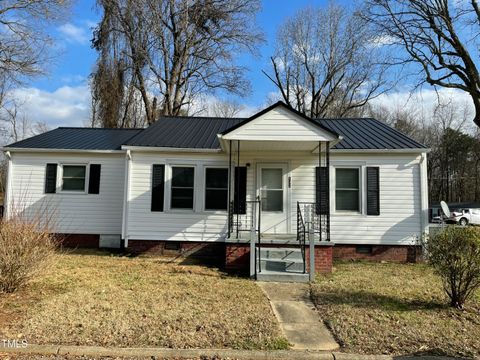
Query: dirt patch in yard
{"points": [[397, 309], [96, 299]]}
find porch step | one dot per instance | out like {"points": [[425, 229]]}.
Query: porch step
{"points": [[280, 260], [282, 265], [281, 253], [280, 276]]}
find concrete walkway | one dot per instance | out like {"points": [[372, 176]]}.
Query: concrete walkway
{"points": [[298, 318]]}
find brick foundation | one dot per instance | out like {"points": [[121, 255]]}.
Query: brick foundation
{"points": [[394, 253], [79, 240], [207, 252]]}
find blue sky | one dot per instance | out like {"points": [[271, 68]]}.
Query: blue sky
{"points": [[62, 98], [75, 62]]}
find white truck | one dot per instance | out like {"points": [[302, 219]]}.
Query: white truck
{"points": [[464, 217]]}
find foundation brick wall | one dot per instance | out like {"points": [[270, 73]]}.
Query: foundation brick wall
{"points": [[79, 240], [323, 259], [210, 252], [394, 253]]}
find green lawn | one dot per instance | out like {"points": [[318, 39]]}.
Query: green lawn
{"points": [[390, 308], [97, 299]]}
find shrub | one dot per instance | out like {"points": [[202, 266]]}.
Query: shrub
{"points": [[25, 249], [454, 253]]}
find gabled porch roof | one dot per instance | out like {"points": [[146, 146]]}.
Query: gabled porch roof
{"points": [[278, 127]]}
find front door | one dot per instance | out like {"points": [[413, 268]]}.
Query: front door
{"points": [[272, 188]]}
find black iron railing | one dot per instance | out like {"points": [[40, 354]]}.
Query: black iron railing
{"points": [[301, 235], [244, 219]]}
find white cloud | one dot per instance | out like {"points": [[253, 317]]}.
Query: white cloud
{"points": [[424, 99], [66, 106], [74, 34]]}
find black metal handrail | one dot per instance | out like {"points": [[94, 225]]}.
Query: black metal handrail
{"points": [[301, 234]]}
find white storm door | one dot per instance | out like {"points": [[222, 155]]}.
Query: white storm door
{"points": [[272, 188]]}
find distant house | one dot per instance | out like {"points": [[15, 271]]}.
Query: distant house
{"points": [[207, 186]]}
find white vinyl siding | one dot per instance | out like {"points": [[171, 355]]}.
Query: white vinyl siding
{"points": [[277, 125], [398, 223], [73, 211]]}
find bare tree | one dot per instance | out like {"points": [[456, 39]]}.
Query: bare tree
{"points": [[171, 51], [326, 62], [439, 35], [24, 42], [14, 123], [224, 108]]}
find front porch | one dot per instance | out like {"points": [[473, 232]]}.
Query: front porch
{"points": [[279, 209]]}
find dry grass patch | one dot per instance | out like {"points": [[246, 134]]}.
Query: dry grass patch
{"points": [[96, 299], [395, 309]]}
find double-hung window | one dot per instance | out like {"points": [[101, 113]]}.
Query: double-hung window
{"points": [[182, 187], [216, 188], [347, 189], [73, 177]]}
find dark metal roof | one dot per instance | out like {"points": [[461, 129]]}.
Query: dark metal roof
{"points": [[201, 133], [184, 132], [366, 133], [78, 139]]}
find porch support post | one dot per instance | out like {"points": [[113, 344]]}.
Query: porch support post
{"points": [[253, 254], [318, 212], [311, 240], [328, 197], [238, 184], [230, 177]]}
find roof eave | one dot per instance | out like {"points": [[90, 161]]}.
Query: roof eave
{"points": [[169, 149], [50, 150], [402, 150]]}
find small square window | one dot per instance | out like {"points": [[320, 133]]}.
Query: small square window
{"points": [[216, 189], [73, 178]]}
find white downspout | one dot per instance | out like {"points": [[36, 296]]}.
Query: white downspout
{"points": [[8, 187], [126, 197], [423, 194]]}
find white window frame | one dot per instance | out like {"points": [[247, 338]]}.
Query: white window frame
{"points": [[60, 179], [361, 192], [204, 190], [195, 190]]}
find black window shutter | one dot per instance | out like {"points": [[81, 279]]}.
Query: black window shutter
{"points": [[94, 179], [373, 191], [240, 190], [51, 179], [322, 190], [158, 187]]}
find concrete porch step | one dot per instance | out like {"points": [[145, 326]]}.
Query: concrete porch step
{"points": [[281, 276], [281, 253], [282, 265]]}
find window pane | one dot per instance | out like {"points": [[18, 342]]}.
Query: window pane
{"points": [[216, 178], [216, 199], [272, 200], [182, 198], [272, 179], [182, 176], [347, 178], [74, 171], [73, 184], [347, 200]]}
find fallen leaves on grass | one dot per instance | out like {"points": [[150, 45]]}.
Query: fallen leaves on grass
{"points": [[395, 309], [118, 301]]}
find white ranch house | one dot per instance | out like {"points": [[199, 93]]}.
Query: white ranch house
{"points": [[277, 193]]}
